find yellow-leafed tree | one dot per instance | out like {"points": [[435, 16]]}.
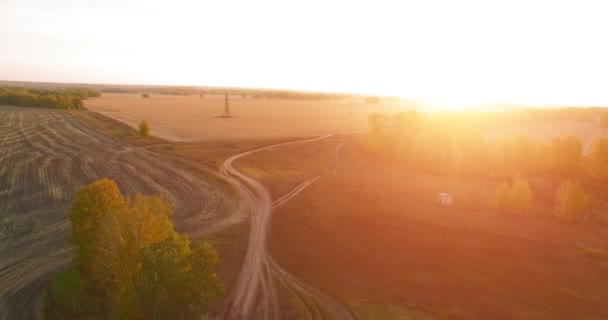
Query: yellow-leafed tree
{"points": [[572, 203], [520, 197]]}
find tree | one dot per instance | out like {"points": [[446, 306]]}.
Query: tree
{"points": [[164, 293], [144, 129], [72, 290], [571, 201], [144, 220], [90, 204], [501, 197], [128, 258], [520, 197], [599, 158]]}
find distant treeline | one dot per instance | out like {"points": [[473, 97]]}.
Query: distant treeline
{"points": [[452, 141], [517, 116], [168, 91], [70, 98], [245, 93]]}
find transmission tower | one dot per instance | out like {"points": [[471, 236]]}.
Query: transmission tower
{"points": [[226, 113]]}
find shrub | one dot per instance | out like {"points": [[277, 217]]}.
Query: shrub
{"points": [[145, 95], [598, 254], [144, 129], [571, 201]]}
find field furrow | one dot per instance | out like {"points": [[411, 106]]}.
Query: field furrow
{"points": [[45, 155]]}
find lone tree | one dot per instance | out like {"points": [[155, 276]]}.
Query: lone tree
{"points": [[130, 263], [144, 129], [514, 199], [520, 197], [572, 203]]}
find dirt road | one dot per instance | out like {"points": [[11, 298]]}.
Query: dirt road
{"points": [[255, 294], [45, 155]]}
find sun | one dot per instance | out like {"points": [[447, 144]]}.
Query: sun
{"points": [[444, 104]]}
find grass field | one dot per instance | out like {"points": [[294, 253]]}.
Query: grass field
{"points": [[373, 236], [191, 118]]}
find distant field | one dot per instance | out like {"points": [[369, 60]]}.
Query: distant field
{"points": [[192, 118]]}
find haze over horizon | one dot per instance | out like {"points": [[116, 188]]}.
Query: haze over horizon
{"points": [[535, 52]]}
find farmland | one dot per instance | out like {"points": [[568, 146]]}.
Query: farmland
{"points": [[196, 119], [192, 118], [333, 231], [46, 155], [373, 237]]}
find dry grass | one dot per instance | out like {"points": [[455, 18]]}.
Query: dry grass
{"points": [[191, 118], [373, 235], [282, 174]]}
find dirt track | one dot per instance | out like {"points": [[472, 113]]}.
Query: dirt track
{"points": [[255, 294], [45, 155]]}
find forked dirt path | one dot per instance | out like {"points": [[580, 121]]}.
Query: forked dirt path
{"points": [[255, 293]]}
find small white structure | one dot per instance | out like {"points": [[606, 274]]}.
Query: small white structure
{"points": [[444, 199]]}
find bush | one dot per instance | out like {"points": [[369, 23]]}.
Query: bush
{"points": [[145, 95], [571, 201], [144, 129], [598, 254]]}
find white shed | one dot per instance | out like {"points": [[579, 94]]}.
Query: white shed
{"points": [[444, 199]]}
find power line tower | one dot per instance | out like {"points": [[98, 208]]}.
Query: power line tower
{"points": [[227, 113]]}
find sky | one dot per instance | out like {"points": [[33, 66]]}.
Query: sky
{"points": [[452, 52]]}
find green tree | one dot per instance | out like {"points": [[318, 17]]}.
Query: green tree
{"points": [[163, 292], [571, 201], [72, 290], [144, 129], [501, 197], [520, 197]]}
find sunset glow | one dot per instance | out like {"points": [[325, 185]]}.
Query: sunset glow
{"points": [[455, 53]]}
